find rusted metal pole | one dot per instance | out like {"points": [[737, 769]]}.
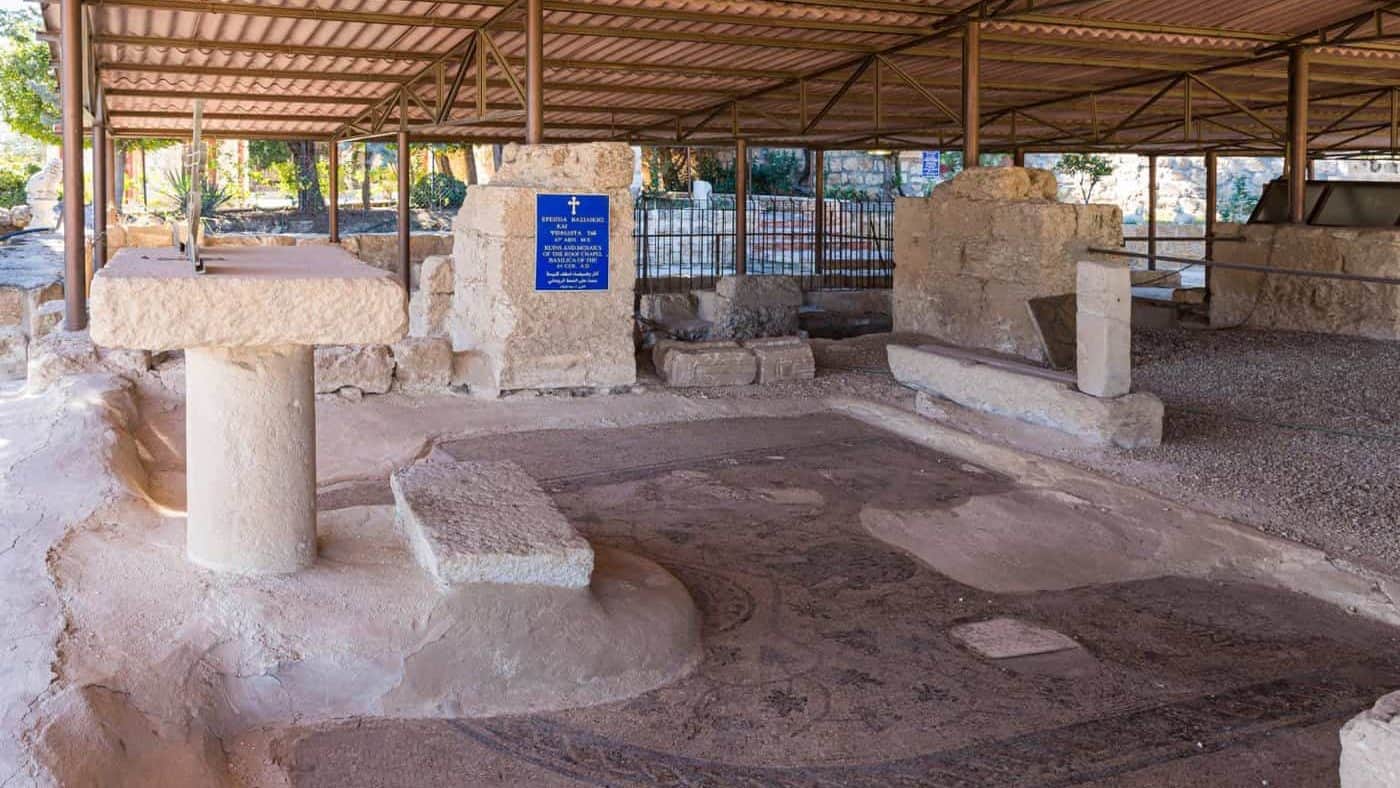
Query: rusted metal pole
{"points": [[741, 206], [1018, 157], [99, 186], [1212, 186], [405, 165], [71, 87], [1297, 135], [333, 179], [1152, 212], [534, 72], [819, 213], [971, 95]]}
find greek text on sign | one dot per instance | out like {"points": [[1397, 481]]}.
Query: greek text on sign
{"points": [[571, 242]]}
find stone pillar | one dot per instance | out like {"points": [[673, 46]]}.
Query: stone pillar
{"points": [[513, 333], [1104, 328], [251, 458]]}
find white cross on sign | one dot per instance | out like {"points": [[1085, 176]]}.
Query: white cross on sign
{"points": [[573, 205]]}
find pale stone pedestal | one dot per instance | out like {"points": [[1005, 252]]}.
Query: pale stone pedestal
{"points": [[248, 327]]}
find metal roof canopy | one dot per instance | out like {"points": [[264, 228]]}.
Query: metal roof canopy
{"points": [[1165, 76]]}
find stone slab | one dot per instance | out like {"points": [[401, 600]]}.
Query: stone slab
{"points": [[1004, 638], [487, 522], [686, 365], [1130, 422], [1371, 746], [1055, 321], [250, 297], [782, 358]]}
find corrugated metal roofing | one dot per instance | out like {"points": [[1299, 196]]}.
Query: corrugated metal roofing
{"points": [[1060, 74]]}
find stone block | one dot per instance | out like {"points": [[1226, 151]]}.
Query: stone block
{"points": [[14, 353], [1371, 746], [252, 297], [782, 358], [991, 183], [1103, 328], [706, 364], [487, 522], [148, 236], [1028, 394], [1007, 638], [428, 313], [12, 310], [422, 365], [436, 274], [60, 354], [604, 165], [369, 368], [5, 217], [36, 297], [21, 216], [46, 319], [745, 307]]}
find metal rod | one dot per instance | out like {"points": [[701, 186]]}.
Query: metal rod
{"points": [[819, 212], [971, 94], [99, 186], [405, 164], [1262, 269], [333, 180], [74, 232], [1152, 212], [534, 72], [1297, 135], [1018, 157], [1212, 188], [741, 206]]}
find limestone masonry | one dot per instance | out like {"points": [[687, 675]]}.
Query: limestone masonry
{"points": [[969, 257]]}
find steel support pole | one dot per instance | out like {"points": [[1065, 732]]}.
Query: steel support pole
{"points": [[741, 206], [99, 189], [1298, 135], [71, 98], [819, 213], [333, 178], [534, 72], [1018, 157], [1212, 187], [971, 94], [1152, 212], [405, 165]]}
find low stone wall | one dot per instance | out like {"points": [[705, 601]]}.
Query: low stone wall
{"points": [[1296, 303], [970, 256]]}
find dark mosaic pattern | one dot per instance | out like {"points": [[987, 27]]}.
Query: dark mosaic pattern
{"points": [[827, 660]]}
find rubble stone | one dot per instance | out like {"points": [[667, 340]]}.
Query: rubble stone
{"points": [[60, 354], [14, 353], [782, 358], [46, 319], [1371, 746], [21, 216], [422, 364], [428, 313], [745, 307], [969, 258], [381, 250], [436, 274], [487, 522], [369, 368]]}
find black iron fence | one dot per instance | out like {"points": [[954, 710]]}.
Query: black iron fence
{"points": [[686, 244]]}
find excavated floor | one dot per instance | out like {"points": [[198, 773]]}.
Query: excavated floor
{"points": [[828, 659]]}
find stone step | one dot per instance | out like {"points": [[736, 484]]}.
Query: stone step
{"points": [[487, 522]]}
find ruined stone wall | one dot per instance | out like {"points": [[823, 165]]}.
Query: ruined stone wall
{"points": [[969, 257], [1328, 306], [512, 336]]}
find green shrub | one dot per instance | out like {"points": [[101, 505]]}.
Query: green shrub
{"points": [[12, 184], [438, 190], [719, 174], [775, 171], [177, 190]]}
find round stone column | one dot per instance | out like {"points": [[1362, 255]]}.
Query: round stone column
{"points": [[250, 436]]}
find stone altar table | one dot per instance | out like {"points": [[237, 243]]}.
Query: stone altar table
{"points": [[248, 327]]}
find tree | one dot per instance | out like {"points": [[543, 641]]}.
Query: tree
{"points": [[293, 164], [1240, 202], [28, 89], [1087, 169]]}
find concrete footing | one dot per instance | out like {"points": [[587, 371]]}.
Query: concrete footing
{"points": [[1030, 394], [251, 434]]}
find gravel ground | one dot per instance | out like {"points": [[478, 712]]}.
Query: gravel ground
{"points": [[1303, 430]]}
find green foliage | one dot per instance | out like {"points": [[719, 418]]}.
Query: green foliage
{"points": [[1087, 169], [146, 144], [12, 184], [720, 174], [1240, 202], [845, 191], [775, 171], [177, 189], [28, 89], [666, 168], [438, 190]]}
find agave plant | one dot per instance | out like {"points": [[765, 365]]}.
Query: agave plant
{"points": [[177, 188]]}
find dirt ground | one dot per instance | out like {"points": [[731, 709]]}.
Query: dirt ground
{"points": [[827, 654]]}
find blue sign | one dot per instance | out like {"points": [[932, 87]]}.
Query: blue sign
{"points": [[571, 242], [932, 164]]}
